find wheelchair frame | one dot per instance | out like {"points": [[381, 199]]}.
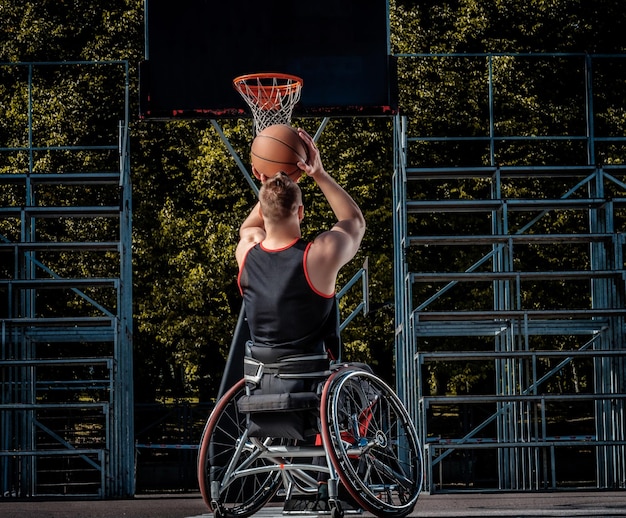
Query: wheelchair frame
{"points": [[367, 448]]}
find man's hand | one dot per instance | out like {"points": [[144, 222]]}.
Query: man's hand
{"points": [[314, 165]]}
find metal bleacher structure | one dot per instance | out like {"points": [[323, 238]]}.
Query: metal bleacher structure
{"points": [[66, 416], [472, 291], [66, 410]]}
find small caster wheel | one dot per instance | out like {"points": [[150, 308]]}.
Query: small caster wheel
{"points": [[336, 511]]}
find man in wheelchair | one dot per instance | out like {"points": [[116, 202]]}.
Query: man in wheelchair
{"points": [[328, 432], [288, 287]]}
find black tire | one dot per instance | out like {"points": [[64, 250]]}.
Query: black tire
{"points": [[371, 442]]}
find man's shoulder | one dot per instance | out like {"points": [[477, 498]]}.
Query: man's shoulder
{"points": [[243, 248]]}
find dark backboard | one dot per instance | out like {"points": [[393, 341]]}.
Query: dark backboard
{"points": [[195, 48]]}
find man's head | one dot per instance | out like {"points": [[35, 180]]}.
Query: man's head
{"points": [[280, 198]]}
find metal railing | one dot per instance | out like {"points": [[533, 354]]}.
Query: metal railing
{"points": [[66, 410], [491, 312]]}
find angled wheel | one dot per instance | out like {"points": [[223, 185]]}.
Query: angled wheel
{"points": [[371, 442], [231, 472]]}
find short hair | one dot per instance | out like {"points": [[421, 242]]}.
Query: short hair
{"points": [[280, 197]]}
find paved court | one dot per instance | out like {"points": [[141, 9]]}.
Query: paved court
{"points": [[563, 504]]}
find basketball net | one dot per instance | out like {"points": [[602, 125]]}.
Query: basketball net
{"points": [[270, 96]]}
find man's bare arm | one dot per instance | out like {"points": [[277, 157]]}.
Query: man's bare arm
{"points": [[251, 232], [334, 248]]}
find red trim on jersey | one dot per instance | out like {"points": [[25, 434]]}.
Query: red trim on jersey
{"points": [[308, 279], [243, 263], [279, 249]]}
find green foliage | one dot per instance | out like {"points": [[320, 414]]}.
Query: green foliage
{"points": [[503, 26], [185, 233], [65, 30]]}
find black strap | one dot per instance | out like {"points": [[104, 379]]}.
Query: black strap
{"points": [[304, 364]]}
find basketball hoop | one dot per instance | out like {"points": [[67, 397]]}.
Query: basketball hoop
{"points": [[271, 97]]}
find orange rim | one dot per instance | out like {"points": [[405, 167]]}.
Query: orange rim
{"points": [[269, 92], [296, 81]]}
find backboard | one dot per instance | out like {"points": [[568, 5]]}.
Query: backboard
{"points": [[195, 48]]}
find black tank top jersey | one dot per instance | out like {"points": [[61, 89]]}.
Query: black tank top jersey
{"points": [[281, 305]]}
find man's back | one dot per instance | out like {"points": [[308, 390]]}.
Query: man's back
{"points": [[282, 307]]}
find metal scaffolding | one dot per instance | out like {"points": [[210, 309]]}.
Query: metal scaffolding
{"points": [[66, 399], [473, 294]]}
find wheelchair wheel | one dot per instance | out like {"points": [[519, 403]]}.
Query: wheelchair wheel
{"points": [[371, 442], [231, 477]]}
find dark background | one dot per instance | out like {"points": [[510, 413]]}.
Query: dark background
{"points": [[195, 48]]}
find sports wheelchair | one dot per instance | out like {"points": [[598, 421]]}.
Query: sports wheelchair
{"points": [[338, 441]]}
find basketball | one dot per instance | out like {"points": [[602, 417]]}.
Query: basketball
{"points": [[278, 148]]}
